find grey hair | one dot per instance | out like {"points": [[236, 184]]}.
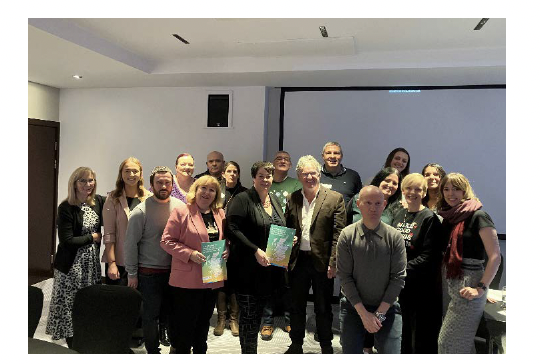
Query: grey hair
{"points": [[332, 143], [307, 159]]}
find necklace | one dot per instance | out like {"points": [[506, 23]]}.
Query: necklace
{"points": [[233, 193], [266, 202]]}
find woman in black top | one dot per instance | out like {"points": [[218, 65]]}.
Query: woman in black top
{"points": [[76, 264], [231, 182], [420, 299], [470, 235], [226, 304], [249, 216]]}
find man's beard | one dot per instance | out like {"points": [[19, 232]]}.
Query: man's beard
{"points": [[160, 197]]}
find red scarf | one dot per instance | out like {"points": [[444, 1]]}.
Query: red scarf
{"points": [[454, 252]]}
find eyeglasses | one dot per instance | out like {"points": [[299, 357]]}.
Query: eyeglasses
{"points": [[85, 181]]}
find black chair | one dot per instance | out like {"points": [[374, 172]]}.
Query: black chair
{"points": [[35, 306], [104, 318]]}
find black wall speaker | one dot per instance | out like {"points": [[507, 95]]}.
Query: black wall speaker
{"points": [[218, 111]]}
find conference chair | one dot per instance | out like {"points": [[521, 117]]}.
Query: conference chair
{"points": [[104, 318], [35, 306]]}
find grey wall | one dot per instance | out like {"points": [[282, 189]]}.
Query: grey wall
{"points": [[102, 127], [43, 102], [272, 126]]}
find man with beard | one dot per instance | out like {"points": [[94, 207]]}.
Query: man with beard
{"points": [[214, 165], [147, 264], [336, 177]]}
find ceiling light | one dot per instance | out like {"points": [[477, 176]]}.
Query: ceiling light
{"points": [[77, 77], [180, 39], [324, 33], [481, 23]]}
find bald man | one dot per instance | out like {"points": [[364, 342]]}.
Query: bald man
{"points": [[214, 165], [371, 264]]}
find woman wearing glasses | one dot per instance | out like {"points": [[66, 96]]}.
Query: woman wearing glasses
{"points": [[76, 264]]}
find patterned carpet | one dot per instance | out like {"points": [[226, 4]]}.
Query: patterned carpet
{"points": [[225, 344]]}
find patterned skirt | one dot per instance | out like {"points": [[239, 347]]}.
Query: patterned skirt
{"points": [[461, 316], [85, 271]]}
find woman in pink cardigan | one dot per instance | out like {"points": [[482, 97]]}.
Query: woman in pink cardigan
{"points": [[129, 192], [200, 221]]}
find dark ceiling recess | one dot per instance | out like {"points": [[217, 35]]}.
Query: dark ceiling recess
{"points": [[180, 39], [481, 23], [324, 33]]}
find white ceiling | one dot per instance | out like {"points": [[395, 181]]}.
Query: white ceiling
{"points": [[265, 52]]}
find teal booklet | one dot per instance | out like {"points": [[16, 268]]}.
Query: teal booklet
{"points": [[279, 247], [214, 269]]}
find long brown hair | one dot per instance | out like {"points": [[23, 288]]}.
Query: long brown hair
{"points": [[442, 174], [391, 157], [120, 181]]}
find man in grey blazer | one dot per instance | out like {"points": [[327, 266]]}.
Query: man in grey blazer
{"points": [[318, 215]]}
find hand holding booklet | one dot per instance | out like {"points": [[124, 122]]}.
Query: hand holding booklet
{"points": [[279, 246], [214, 269]]}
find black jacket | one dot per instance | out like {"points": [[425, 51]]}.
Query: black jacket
{"points": [[248, 227], [69, 221]]}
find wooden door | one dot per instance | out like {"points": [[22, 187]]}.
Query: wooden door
{"points": [[43, 138]]}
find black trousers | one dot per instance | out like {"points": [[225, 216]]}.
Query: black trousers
{"points": [[302, 277], [249, 321], [422, 318], [190, 320]]}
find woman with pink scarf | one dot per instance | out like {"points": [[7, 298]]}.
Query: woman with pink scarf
{"points": [[471, 235]]}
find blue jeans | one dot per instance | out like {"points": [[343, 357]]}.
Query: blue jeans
{"points": [[154, 289], [387, 339], [282, 298]]}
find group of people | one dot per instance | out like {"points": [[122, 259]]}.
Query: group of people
{"points": [[414, 252]]}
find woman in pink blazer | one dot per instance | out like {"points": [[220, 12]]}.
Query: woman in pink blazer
{"points": [[189, 226]]}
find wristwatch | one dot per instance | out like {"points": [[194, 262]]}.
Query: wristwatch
{"points": [[381, 316], [481, 285]]}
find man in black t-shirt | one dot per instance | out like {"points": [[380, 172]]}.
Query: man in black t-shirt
{"points": [[336, 177]]}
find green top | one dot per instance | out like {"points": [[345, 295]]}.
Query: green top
{"points": [[354, 214], [284, 188]]}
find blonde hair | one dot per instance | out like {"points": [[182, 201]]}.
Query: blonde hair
{"points": [[120, 181], [413, 179], [72, 186], [460, 182], [205, 181]]}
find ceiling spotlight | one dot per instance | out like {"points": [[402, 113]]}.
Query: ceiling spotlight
{"points": [[481, 23], [324, 33], [77, 77]]}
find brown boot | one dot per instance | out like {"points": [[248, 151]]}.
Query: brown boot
{"points": [[234, 316], [221, 306]]}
